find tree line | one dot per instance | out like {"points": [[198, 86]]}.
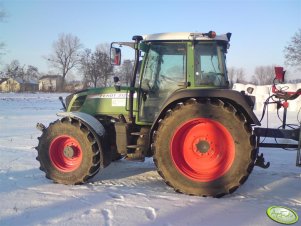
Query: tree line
{"points": [[263, 75], [69, 54], [2, 16]]}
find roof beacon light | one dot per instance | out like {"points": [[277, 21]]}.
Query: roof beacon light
{"points": [[210, 34]]}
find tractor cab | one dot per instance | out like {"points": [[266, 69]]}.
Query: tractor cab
{"points": [[171, 62]]}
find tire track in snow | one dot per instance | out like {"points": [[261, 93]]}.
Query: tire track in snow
{"points": [[116, 196], [150, 213], [297, 202], [164, 197], [108, 216]]}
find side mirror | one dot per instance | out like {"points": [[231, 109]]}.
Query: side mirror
{"points": [[115, 56], [279, 72]]}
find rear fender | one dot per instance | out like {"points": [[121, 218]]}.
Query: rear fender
{"points": [[240, 101]]}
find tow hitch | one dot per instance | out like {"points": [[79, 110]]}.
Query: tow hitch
{"points": [[282, 99]]}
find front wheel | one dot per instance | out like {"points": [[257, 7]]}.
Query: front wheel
{"points": [[70, 152], [204, 148]]}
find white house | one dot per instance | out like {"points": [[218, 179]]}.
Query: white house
{"points": [[17, 85], [50, 83], [9, 85]]}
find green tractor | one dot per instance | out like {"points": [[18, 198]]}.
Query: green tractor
{"points": [[178, 109]]}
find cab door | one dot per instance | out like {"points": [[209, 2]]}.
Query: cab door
{"points": [[163, 73]]}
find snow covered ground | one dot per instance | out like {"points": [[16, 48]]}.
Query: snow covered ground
{"points": [[125, 193]]}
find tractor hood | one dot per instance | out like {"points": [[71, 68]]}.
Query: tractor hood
{"points": [[99, 101]]}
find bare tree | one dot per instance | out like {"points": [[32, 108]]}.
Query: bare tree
{"points": [[2, 16], [14, 69], [103, 54], [236, 75], [96, 67], [32, 73], [85, 66], [293, 51], [125, 72], [240, 75], [263, 75], [104, 47], [231, 75], [104, 65], [17, 71], [65, 55]]}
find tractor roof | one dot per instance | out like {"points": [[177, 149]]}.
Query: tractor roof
{"points": [[184, 36]]}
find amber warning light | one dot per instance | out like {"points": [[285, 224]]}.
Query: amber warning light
{"points": [[210, 34]]}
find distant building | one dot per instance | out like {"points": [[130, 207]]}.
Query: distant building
{"points": [[28, 86], [9, 85], [50, 83], [17, 85]]}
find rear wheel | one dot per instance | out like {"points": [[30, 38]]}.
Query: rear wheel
{"points": [[70, 152], [204, 148]]}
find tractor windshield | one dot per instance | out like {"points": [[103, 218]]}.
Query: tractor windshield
{"points": [[209, 65], [164, 69]]}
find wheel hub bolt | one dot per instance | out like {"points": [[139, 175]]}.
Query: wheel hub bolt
{"points": [[203, 146], [68, 152]]}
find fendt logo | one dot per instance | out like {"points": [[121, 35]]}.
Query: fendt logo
{"points": [[282, 215]]}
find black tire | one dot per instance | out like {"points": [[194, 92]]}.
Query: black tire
{"points": [[81, 144], [171, 158]]}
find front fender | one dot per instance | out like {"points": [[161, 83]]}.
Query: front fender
{"points": [[87, 119]]}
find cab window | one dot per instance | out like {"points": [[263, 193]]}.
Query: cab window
{"points": [[164, 69], [209, 66]]}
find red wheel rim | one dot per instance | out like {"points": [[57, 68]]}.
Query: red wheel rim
{"points": [[202, 149], [65, 153]]}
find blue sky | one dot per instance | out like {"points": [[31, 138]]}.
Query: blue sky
{"points": [[260, 28]]}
